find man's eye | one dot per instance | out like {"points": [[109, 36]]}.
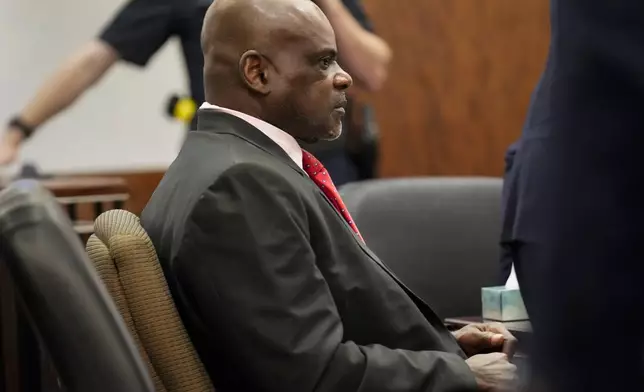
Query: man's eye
{"points": [[325, 63]]}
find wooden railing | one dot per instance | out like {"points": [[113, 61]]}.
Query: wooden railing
{"points": [[24, 361]]}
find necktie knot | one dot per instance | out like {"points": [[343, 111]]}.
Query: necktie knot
{"points": [[322, 179]]}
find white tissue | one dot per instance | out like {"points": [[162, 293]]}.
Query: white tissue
{"points": [[512, 283]]}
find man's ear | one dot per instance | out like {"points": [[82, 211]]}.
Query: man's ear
{"points": [[254, 70]]}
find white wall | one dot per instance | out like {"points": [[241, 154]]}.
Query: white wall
{"points": [[120, 124]]}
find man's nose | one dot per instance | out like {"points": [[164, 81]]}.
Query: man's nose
{"points": [[342, 80]]}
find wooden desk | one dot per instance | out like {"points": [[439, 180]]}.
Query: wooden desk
{"points": [[24, 362]]}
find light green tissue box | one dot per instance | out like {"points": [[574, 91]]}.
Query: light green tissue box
{"points": [[503, 304]]}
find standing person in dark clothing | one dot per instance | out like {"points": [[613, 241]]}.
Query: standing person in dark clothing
{"points": [[276, 287], [135, 34], [142, 27], [576, 237]]}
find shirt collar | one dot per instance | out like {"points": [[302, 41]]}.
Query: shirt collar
{"points": [[278, 136]]}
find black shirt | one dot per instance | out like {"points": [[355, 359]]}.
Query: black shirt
{"points": [[142, 27]]}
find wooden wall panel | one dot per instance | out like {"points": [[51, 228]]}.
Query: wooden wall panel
{"points": [[141, 185], [460, 81]]}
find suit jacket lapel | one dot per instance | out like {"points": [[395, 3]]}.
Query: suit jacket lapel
{"points": [[425, 308], [422, 305], [366, 249], [210, 120]]}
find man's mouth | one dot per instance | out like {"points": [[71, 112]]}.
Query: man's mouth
{"points": [[340, 106]]}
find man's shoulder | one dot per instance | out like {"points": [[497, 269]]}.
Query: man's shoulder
{"points": [[236, 173], [208, 160], [251, 176]]}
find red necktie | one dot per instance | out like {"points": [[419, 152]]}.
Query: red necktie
{"points": [[321, 178]]}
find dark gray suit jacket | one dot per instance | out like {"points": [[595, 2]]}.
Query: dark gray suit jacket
{"points": [[276, 291]]}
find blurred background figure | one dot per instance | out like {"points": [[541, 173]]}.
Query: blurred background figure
{"points": [[138, 30], [141, 27]]}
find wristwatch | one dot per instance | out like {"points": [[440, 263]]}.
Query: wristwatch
{"points": [[16, 122]]}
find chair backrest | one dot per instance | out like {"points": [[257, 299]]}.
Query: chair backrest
{"points": [[69, 307], [440, 235], [104, 264], [128, 264]]}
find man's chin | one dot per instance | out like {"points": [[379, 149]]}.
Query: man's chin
{"points": [[326, 136], [333, 134]]}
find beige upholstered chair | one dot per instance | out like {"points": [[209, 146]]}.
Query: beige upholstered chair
{"points": [[128, 265]]}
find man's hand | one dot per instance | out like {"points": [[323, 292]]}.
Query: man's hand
{"points": [[480, 338], [493, 372]]}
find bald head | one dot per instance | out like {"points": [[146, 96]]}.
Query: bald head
{"points": [[262, 56], [241, 19], [234, 27]]}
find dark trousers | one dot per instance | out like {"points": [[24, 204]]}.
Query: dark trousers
{"points": [[577, 248]]}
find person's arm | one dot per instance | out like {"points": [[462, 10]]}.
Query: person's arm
{"points": [[77, 74], [249, 271], [365, 55]]}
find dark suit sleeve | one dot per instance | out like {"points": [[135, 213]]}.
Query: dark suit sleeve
{"points": [[255, 284]]}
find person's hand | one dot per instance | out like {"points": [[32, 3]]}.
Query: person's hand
{"points": [[9, 146], [480, 338], [493, 372]]}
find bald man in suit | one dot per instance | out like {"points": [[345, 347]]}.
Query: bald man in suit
{"points": [[277, 288]]}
